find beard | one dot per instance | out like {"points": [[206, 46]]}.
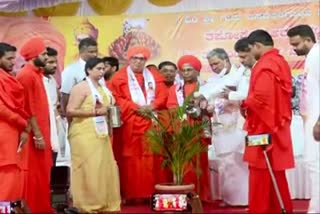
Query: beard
{"points": [[300, 52], [6, 68], [107, 75], [39, 63], [49, 71]]}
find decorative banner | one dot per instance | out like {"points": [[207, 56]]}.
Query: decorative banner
{"points": [[167, 35], [171, 35]]}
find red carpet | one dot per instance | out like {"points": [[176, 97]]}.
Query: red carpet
{"points": [[300, 206]]}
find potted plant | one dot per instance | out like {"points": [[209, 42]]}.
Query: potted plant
{"points": [[178, 140]]}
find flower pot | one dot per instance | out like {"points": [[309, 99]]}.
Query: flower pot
{"points": [[173, 188]]}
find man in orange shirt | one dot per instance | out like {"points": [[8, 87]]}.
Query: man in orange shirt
{"points": [[190, 67], [130, 89], [39, 157], [268, 111], [13, 126]]}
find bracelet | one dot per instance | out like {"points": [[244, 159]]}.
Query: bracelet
{"points": [[37, 139]]}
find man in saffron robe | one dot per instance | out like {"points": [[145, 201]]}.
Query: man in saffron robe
{"points": [[13, 123], [137, 90], [190, 67], [39, 157], [268, 110], [169, 71]]}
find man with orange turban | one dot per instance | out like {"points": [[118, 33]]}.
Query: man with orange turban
{"points": [[190, 67], [137, 90], [13, 126], [38, 159]]}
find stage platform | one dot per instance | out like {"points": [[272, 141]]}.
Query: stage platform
{"points": [[300, 206]]}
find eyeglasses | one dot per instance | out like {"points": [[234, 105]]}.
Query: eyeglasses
{"points": [[135, 58]]}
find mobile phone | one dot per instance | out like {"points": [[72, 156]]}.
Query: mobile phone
{"points": [[169, 202], [258, 140], [232, 88]]}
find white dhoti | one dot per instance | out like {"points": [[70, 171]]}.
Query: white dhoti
{"points": [[312, 160], [299, 184], [310, 108], [64, 157], [229, 143]]}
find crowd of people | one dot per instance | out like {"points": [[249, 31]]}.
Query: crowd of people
{"points": [[110, 166]]}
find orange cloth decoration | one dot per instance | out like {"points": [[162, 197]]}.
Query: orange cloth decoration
{"points": [[191, 60], [33, 48], [138, 50]]}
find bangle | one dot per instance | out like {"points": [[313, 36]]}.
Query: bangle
{"points": [[37, 138]]}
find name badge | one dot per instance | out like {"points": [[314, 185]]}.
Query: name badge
{"points": [[101, 125]]}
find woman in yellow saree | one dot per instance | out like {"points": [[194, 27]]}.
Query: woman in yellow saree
{"points": [[94, 175]]}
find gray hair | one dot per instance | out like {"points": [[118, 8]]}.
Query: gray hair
{"points": [[219, 53]]}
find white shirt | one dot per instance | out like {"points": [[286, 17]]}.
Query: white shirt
{"points": [[312, 69], [51, 89], [216, 83], [72, 75], [52, 95], [243, 87]]}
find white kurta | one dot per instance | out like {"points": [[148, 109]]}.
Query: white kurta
{"points": [[57, 124], [51, 90], [229, 141], [311, 113]]}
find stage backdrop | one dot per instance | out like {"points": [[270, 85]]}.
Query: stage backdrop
{"points": [[167, 35]]}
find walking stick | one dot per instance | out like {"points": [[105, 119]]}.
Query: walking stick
{"points": [[264, 140], [275, 185]]}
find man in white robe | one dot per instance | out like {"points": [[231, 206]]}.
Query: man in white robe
{"points": [[228, 140], [303, 40]]}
